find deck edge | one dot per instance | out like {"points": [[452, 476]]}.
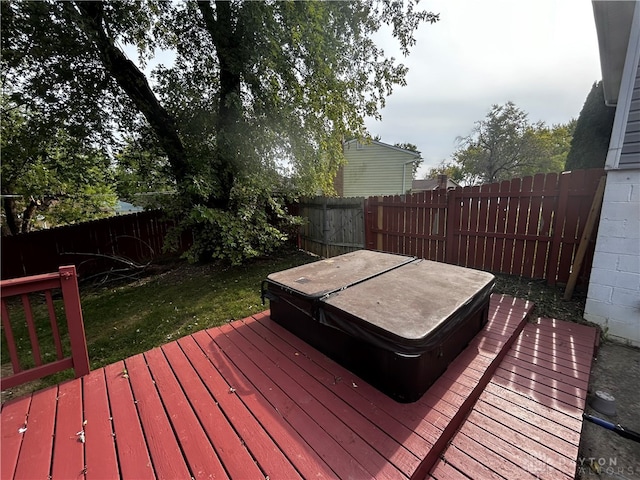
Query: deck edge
{"points": [[426, 465]]}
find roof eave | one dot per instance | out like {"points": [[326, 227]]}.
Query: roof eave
{"points": [[613, 21]]}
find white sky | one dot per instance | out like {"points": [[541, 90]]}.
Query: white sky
{"points": [[540, 54]]}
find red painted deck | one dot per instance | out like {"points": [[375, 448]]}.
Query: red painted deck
{"points": [[527, 422], [250, 400]]}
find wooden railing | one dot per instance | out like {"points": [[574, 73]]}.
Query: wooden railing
{"points": [[65, 280]]}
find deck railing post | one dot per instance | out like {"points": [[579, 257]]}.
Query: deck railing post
{"points": [[73, 311]]}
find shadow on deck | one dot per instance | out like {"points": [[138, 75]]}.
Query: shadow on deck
{"points": [[250, 400]]}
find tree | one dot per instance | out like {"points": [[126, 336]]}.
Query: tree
{"points": [[49, 180], [412, 148], [255, 86], [554, 144], [592, 132], [506, 144], [142, 172], [450, 169]]}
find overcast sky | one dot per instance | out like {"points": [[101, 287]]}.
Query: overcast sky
{"points": [[540, 54]]}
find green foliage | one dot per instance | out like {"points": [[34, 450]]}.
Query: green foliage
{"points": [[553, 144], [506, 145], [142, 172], [592, 132], [450, 169], [255, 224], [50, 178], [260, 95]]}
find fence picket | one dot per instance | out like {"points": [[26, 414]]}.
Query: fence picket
{"points": [[531, 244], [512, 248], [473, 227], [558, 227], [492, 223], [544, 228], [441, 223], [570, 235], [126, 236]]}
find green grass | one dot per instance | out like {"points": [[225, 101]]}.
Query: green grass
{"points": [[133, 318], [121, 321]]}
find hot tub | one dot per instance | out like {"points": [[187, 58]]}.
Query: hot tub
{"points": [[395, 321]]}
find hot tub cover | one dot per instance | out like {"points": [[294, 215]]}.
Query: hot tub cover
{"points": [[410, 309], [397, 303], [321, 278]]}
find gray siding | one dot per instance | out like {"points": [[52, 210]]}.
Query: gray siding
{"points": [[630, 154]]}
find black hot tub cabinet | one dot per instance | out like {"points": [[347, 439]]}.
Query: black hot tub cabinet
{"points": [[395, 321]]}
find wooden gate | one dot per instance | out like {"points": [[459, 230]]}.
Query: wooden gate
{"points": [[332, 225]]}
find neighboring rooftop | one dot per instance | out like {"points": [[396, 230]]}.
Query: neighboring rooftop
{"points": [[430, 184]]}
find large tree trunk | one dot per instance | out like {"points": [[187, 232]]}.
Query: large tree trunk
{"points": [[9, 206], [135, 85], [27, 215], [226, 33]]}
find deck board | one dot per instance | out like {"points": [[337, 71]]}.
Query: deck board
{"points": [[14, 417], [162, 443], [309, 420], [368, 443], [217, 428], [37, 446], [252, 436], [69, 462], [200, 456], [100, 452], [289, 441], [131, 446], [251, 400], [337, 380]]}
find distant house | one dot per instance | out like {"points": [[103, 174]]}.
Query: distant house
{"points": [[613, 299], [375, 168], [432, 184]]}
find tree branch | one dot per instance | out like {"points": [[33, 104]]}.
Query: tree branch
{"points": [[135, 85]]}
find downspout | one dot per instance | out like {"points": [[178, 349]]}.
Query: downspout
{"points": [[404, 174]]}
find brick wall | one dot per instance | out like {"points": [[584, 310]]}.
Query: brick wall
{"points": [[613, 300]]}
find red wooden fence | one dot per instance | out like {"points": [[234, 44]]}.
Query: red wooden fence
{"points": [[65, 280], [529, 227], [137, 237]]}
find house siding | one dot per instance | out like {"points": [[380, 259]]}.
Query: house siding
{"points": [[375, 169], [630, 154], [613, 299]]}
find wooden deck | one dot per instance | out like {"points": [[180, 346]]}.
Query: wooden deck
{"points": [[250, 400], [527, 422]]}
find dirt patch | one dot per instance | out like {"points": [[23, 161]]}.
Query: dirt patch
{"points": [[616, 370], [20, 390]]}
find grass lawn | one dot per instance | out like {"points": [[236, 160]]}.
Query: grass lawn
{"points": [[129, 319], [121, 321]]}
